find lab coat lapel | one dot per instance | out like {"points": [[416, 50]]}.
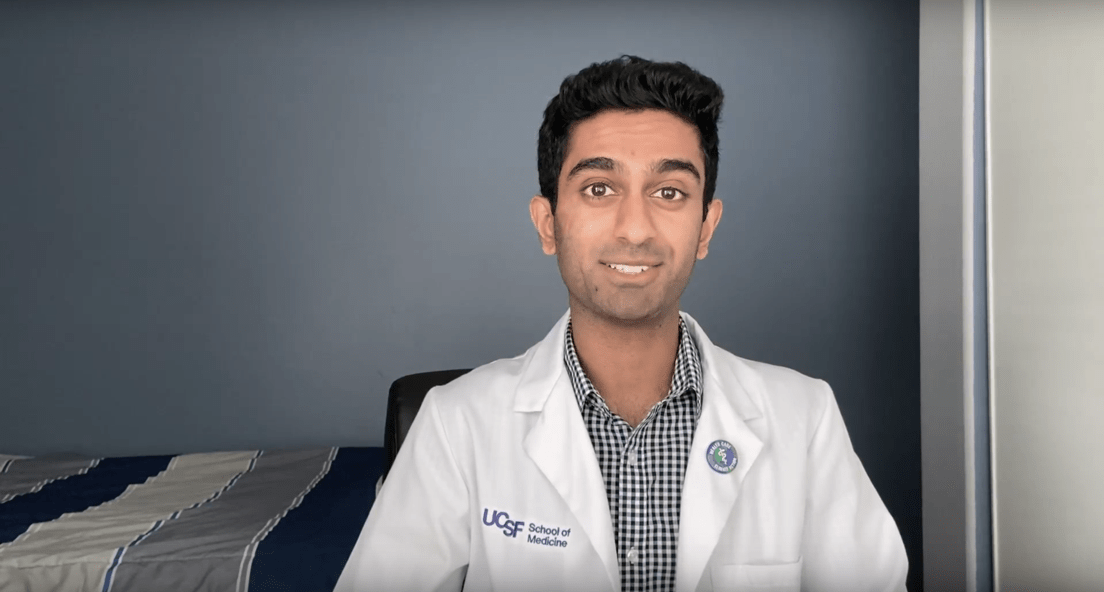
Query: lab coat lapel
{"points": [[707, 495], [561, 448]]}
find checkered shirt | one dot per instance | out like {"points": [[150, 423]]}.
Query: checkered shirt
{"points": [[643, 468]]}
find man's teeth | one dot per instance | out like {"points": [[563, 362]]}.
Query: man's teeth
{"points": [[628, 268]]}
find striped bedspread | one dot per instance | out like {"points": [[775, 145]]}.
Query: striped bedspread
{"points": [[227, 521]]}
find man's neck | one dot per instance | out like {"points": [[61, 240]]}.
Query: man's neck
{"points": [[630, 365]]}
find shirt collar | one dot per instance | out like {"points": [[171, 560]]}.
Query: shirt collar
{"points": [[686, 377]]}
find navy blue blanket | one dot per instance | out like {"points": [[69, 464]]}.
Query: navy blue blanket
{"points": [[243, 521]]}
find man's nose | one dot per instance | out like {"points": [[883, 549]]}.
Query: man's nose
{"points": [[635, 218]]}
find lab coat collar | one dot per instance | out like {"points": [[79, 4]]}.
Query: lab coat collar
{"points": [[544, 368], [730, 412], [560, 446]]}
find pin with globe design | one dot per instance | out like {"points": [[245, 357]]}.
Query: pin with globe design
{"points": [[721, 456]]}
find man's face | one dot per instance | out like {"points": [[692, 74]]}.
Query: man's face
{"points": [[630, 196]]}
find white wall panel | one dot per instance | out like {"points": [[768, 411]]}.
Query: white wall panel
{"points": [[1046, 191]]}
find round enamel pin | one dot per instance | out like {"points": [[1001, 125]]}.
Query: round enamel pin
{"points": [[721, 456]]}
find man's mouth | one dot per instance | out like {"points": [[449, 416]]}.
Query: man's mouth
{"points": [[629, 269]]}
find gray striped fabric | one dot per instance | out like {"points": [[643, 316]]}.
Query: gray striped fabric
{"points": [[194, 526], [32, 474], [244, 513]]}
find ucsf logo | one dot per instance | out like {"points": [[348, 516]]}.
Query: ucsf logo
{"points": [[502, 520]]}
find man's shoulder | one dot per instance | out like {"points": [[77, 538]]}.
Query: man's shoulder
{"points": [[772, 385], [490, 386]]}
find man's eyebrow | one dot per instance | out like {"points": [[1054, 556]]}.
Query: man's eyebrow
{"points": [[600, 163], [673, 164], [604, 163]]}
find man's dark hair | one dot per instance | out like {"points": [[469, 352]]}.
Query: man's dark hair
{"points": [[629, 83]]}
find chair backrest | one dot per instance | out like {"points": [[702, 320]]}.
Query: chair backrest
{"points": [[403, 401]]}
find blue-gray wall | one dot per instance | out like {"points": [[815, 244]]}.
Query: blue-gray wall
{"points": [[232, 225]]}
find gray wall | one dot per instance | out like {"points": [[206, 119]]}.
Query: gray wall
{"points": [[228, 226]]}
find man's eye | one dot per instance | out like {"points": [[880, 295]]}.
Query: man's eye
{"points": [[671, 193], [596, 189]]}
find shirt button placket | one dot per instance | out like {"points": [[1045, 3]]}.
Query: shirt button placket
{"points": [[633, 468]]}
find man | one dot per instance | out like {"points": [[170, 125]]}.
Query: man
{"points": [[626, 451]]}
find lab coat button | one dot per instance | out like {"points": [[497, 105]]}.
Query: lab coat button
{"points": [[633, 556]]}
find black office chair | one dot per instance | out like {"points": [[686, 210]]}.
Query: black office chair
{"points": [[403, 401]]}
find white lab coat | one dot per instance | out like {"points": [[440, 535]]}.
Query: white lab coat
{"points": [[506, 443]]}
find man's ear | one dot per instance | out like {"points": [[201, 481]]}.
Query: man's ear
{"points": [[712, 217], [540, 210]]}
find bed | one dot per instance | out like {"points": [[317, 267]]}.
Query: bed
{"points": [[261, 520]]}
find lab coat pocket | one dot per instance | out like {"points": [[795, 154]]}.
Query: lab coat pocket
{"points": [[773, 577]]}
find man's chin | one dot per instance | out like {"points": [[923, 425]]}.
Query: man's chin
{"points": [[633, 314], [626, 311]]}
